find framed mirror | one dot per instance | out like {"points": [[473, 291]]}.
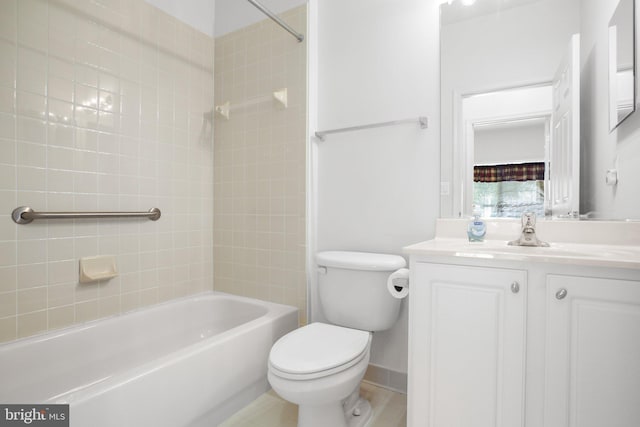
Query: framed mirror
{"points": [[504, 77], [622, 64]]}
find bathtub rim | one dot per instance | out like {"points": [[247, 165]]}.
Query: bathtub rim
{"points": [[88, 391], [53, 333]]}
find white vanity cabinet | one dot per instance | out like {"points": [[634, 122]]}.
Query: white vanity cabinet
{"points": [[497, 339], [467, 346], [592, 369]]}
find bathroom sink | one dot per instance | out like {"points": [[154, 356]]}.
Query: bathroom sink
{"points": [[551, 251], [555, 250]]}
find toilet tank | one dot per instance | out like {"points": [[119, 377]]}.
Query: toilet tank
{"points": [[353, 289]]}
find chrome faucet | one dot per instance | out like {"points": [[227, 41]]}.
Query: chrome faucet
{"points": [[528, 236]]}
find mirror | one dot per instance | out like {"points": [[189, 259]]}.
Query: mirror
{"points": [[494, 55], [622, 96], [504, 146]]}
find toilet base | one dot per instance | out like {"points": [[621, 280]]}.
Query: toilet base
{"points": [[363, 408], [355, 414]]}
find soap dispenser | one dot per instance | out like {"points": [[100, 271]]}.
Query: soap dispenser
{"points": [[476, 228]]}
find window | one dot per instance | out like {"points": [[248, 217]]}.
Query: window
{"points": [[509, 190]]}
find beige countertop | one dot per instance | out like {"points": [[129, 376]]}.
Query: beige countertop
{"points": [[615, 256], [615, 245]]}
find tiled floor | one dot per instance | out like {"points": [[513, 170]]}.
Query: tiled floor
{"points": [[269, 410]]}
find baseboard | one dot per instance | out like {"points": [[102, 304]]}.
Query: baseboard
{"points": [[387, 378]]}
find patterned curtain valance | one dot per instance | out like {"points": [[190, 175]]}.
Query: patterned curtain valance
{"points": [[519, 172]]}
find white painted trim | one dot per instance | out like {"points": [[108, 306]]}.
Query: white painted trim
{"points": [[312, 157]]}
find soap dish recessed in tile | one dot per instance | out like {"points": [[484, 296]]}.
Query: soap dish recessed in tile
{"points": [[93, 269]]}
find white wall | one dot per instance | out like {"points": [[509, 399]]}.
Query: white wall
{"points": [[197, 13], [232, 15], [602, 150], [219, 17], [376, 190], [502, 145]]}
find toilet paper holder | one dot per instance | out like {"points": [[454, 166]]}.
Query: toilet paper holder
{"points": [[400, 282]]}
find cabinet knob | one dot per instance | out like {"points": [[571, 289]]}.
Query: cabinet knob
{"points": [[515, 287], [561, 294]]}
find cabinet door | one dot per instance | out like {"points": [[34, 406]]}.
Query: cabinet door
{"points": [[467, 334], [592, 373]]}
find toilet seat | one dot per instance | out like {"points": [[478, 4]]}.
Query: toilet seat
{"points": [[318, 350]]}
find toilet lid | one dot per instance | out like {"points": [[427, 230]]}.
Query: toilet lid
{"points": [[317, 347]]}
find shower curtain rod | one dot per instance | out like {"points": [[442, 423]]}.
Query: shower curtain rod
{"points": [[277, 20]]}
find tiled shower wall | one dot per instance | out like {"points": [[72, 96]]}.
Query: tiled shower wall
{"points": [[260, 157], [102, 107]]}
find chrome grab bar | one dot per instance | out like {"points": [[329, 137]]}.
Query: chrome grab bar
{"points": [[24, 215]]}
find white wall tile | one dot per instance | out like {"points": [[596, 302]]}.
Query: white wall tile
{"points": [[31, 130], [8, 279], [7, 126], [8, 21], [60, 201], [59, 249], [32, 275], [8, 304], [31, 323], [60, 317], [30, 300], [61, 135], [33, 13], [31, 71], [86, 182], [7, 100], [59, 181], [31, 179], [254, 165], [7, 177], [32, 105], [32, 251], [61, 111], [73, 136], [60, 88], [61, 272], [8, 328], [8, 53], [32, 155]]}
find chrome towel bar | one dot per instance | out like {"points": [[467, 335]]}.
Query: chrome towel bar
{"points": [[24, 215], [422, 121]]}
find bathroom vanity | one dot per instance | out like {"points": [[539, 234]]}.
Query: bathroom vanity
{"points": [[526, 336]]}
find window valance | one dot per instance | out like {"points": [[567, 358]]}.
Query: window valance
{"points": [[509, 172]]}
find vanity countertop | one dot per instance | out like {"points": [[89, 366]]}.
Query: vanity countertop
{"points": [[589, 243], [615, 256]]}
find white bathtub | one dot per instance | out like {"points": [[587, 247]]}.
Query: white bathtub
{"points": [[189, 362]]}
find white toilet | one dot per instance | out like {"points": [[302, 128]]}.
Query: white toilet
{"points": [[319, 366]]}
